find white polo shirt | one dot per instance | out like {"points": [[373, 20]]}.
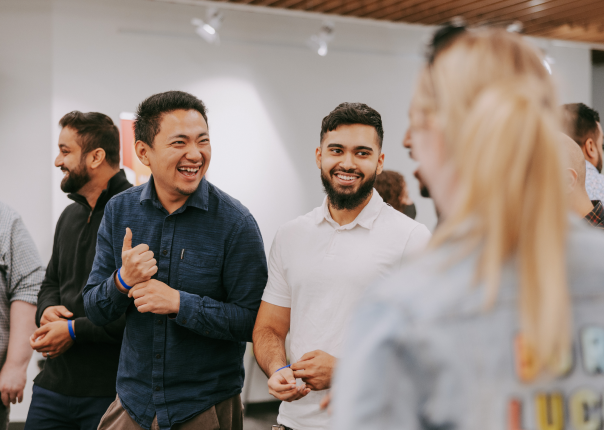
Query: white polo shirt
{"points": [[320, 270]]}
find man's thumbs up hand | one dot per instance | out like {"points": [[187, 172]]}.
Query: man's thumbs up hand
{"points": [[127, 240], [138, 264]]}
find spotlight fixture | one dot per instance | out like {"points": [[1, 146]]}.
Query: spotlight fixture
{"points": [[208, 30], [547, 63], [319, 42], [515, 27]]}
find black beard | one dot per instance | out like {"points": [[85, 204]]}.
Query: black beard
{"points": [[75, 179], [347, 200], [599, 166]]}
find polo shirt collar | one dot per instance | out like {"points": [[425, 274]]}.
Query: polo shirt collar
{"points": [[591, 167], [199, 199], [365, 219]]}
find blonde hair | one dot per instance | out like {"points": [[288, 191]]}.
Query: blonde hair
{"points": [[496, 105]]}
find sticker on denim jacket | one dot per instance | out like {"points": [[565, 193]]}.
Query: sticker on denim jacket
{"points": [[526, 364], [592, 349]]}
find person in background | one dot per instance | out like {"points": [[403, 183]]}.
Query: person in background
{"points": [[185, 261], [77, 383], [391, 187], [582, 124], [499, 325], [21, 274], [322, 262], [579, 201], [423, 188]]}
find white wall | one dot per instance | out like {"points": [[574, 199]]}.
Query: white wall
{"points": [[598, 88], [265, 90], [25, 115]]}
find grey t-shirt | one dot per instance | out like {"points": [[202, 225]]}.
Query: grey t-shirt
{"points": [[422, 354]]}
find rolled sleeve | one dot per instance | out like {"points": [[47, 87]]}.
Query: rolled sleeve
{"points": [[277, 291], [25, 271]]}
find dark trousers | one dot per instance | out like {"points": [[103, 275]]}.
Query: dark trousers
{"points": [[54, 411]]}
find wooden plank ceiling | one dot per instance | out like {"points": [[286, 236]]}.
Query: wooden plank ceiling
{"points": [[580, 20]]}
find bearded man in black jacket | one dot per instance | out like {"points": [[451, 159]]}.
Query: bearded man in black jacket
{"points": [[77, 383]]}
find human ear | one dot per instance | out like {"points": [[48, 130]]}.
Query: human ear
{"points": [[141, 149], [318, 156], [571, 178], [380, 165], [590, 149], [97, 156]]}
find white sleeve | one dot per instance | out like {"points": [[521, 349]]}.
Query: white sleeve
{"points": [[277, 291], [418, 240]]}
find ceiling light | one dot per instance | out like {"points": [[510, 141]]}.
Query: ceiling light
{"points": [[319, 42], [208, 30], [515, 27]]}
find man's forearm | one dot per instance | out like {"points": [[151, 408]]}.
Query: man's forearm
{"points": [[269, 350], [215, 319], [104, 303], [22, 325]]}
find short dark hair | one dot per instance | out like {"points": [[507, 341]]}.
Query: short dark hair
{"points": [[390, 185], [150, 111], [95, 130], [353, 113], [580, 122]]}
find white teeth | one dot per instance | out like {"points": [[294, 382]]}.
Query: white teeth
{"points": [[346, 178], [188, 169]]}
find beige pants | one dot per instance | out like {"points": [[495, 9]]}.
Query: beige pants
{"points": [[226, 415]]}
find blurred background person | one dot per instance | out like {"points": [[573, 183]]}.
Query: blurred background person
{"points": [[582, 123], [391, 186], [478, 330], [21, 274], [579, 201], [77, 383]]}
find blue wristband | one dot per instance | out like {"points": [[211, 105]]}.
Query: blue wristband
{"points": [[284, 367], [126, 286], [70, 327]]}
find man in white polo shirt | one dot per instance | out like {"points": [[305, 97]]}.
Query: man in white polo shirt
{"points": [[321, 264]]}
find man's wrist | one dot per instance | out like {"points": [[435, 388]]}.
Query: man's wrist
{"points": [[118, 284], [275, 367]]}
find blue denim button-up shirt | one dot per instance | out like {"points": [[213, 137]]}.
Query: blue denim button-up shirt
{"points": [[211, 251]]}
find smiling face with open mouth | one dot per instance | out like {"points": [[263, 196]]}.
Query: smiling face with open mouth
{"points": [[350, 158], [180, 155]]}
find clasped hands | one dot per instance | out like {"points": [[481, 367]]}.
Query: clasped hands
{"points": [[314, 368], [138, 266], [52, 338]]}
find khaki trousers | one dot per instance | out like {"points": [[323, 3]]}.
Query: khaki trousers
{"points": [[226, 415]]}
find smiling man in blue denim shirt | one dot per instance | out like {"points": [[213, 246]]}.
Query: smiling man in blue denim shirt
{"points": [[185, 262]]}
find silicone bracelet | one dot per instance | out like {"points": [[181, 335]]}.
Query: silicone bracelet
{"points": [[284, 367], [71, 331], [126, 286]]}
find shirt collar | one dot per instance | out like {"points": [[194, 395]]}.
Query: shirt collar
{"points": [[365, 219], [596, 216], [591, 167], [199, 199]]}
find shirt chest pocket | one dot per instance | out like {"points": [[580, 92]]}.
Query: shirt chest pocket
{"points": [[201, 273]]}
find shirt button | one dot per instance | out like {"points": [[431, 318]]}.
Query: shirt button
{"points": [[158, 356], [207, 332], [184, 320], [159, 322], [165, 252], [157, 388]]}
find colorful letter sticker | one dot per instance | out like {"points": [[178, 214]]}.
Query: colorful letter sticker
{"points": [[592, 347]]}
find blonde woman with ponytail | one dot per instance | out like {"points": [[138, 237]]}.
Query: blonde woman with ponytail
{"points": [[500, 324]]}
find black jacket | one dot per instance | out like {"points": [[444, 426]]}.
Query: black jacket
{"points": [[89, 367]]}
